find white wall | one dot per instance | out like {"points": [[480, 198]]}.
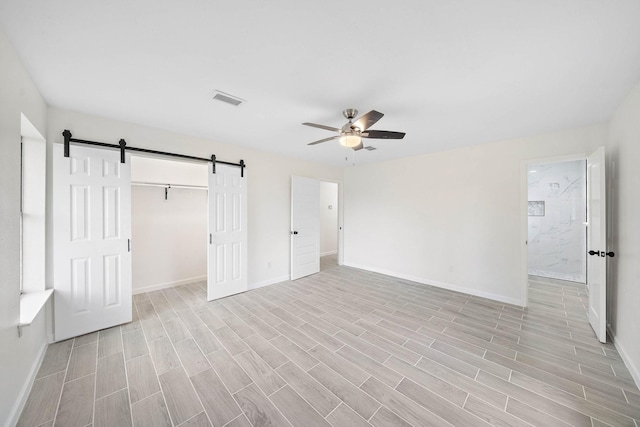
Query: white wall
{"points": [[19, 357], [268, 181], [328, 218], [623, 198], [557, 239], [454, 218]]}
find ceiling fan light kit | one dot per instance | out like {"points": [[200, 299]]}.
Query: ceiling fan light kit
{"points": [[351, 134], [350, 141]]}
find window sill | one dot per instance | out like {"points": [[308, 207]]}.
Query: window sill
{"points": [[30, 305]]}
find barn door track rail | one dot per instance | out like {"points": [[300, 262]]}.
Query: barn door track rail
{"points": [[122, 146]]}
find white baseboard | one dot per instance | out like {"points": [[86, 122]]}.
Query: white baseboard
{"points": [[438, 284], [633, 369], [269, 282], [328, 253], [16, 411], [151, 288]]}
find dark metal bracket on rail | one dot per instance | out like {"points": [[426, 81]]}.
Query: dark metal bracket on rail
{"points": [[122, 146]]}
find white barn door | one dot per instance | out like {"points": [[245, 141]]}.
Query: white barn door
{"points": [[305, 226], [227, 249], [91, 231], [597, 243]]}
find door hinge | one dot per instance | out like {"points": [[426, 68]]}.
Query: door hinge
{"points": [[128, 245], [210, 238]]}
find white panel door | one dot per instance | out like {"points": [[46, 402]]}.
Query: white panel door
{"points": [[305, 226], [597, 243], [227, 249], [91, 231]]}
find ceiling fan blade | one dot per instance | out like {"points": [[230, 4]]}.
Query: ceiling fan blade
{"points": [[324, 140], [382, 134], [368, 120], [358, 147], [315, 125]]}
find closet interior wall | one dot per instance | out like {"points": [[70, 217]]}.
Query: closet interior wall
{"points": [[168, 222]]}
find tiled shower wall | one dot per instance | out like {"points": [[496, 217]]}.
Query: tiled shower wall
{"points": [[557, 240]]}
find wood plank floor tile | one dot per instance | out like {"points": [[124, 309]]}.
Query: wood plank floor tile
{"points": [[240, 421], [232, 342], [83, 361], [344, 347], [153, 329], [134, 344], [374, 352], [427, 380], [258, 409], [491, 414], [296, 410], [205, 339], [296, 354], [151, 412], [191, 357], [56, 358], [233, 376], [176, 330], [311, 390], [385, 418], [200, 420], [359, 401], [76, 403], [110, 375], [339, 364], [401, 405], [438, 405], [266, 350], [164, 355], [182, 401], [43, 400], [378, 370], [260, 372], [143, 381], [216, 399], [113, 410], [345, 416]]}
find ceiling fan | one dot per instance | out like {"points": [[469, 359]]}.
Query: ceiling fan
{"points": [[351, 133]]}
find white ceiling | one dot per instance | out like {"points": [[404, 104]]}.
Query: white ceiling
{"points": [[448, 73]]}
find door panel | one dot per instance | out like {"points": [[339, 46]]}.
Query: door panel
{"points": [[92, 225], [305, 223], [227, 250], [596, 242]]}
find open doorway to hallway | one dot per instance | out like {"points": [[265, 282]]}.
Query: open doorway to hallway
{"points": [[328, 224]]}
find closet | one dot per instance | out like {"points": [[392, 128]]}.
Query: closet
{"points": [[168, 223], [128, 223]]}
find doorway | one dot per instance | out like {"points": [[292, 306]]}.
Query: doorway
{"points": [[168, 223], [557, 214], [328, 225], [596, 238], [316, 216]]}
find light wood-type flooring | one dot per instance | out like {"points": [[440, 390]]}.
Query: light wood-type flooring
{"points": [[343, 347]]}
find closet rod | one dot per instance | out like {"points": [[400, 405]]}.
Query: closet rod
{"points": [[122, 146], [153, 184]]}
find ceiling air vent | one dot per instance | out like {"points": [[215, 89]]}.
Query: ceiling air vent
{"points": [[370, 148], [228, 99]]}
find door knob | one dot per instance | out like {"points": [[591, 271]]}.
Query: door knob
{"points": [[597, 253], [611, 254], [294, 232]]}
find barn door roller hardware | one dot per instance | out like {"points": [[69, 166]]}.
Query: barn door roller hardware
{"points": [[122, 146]]}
